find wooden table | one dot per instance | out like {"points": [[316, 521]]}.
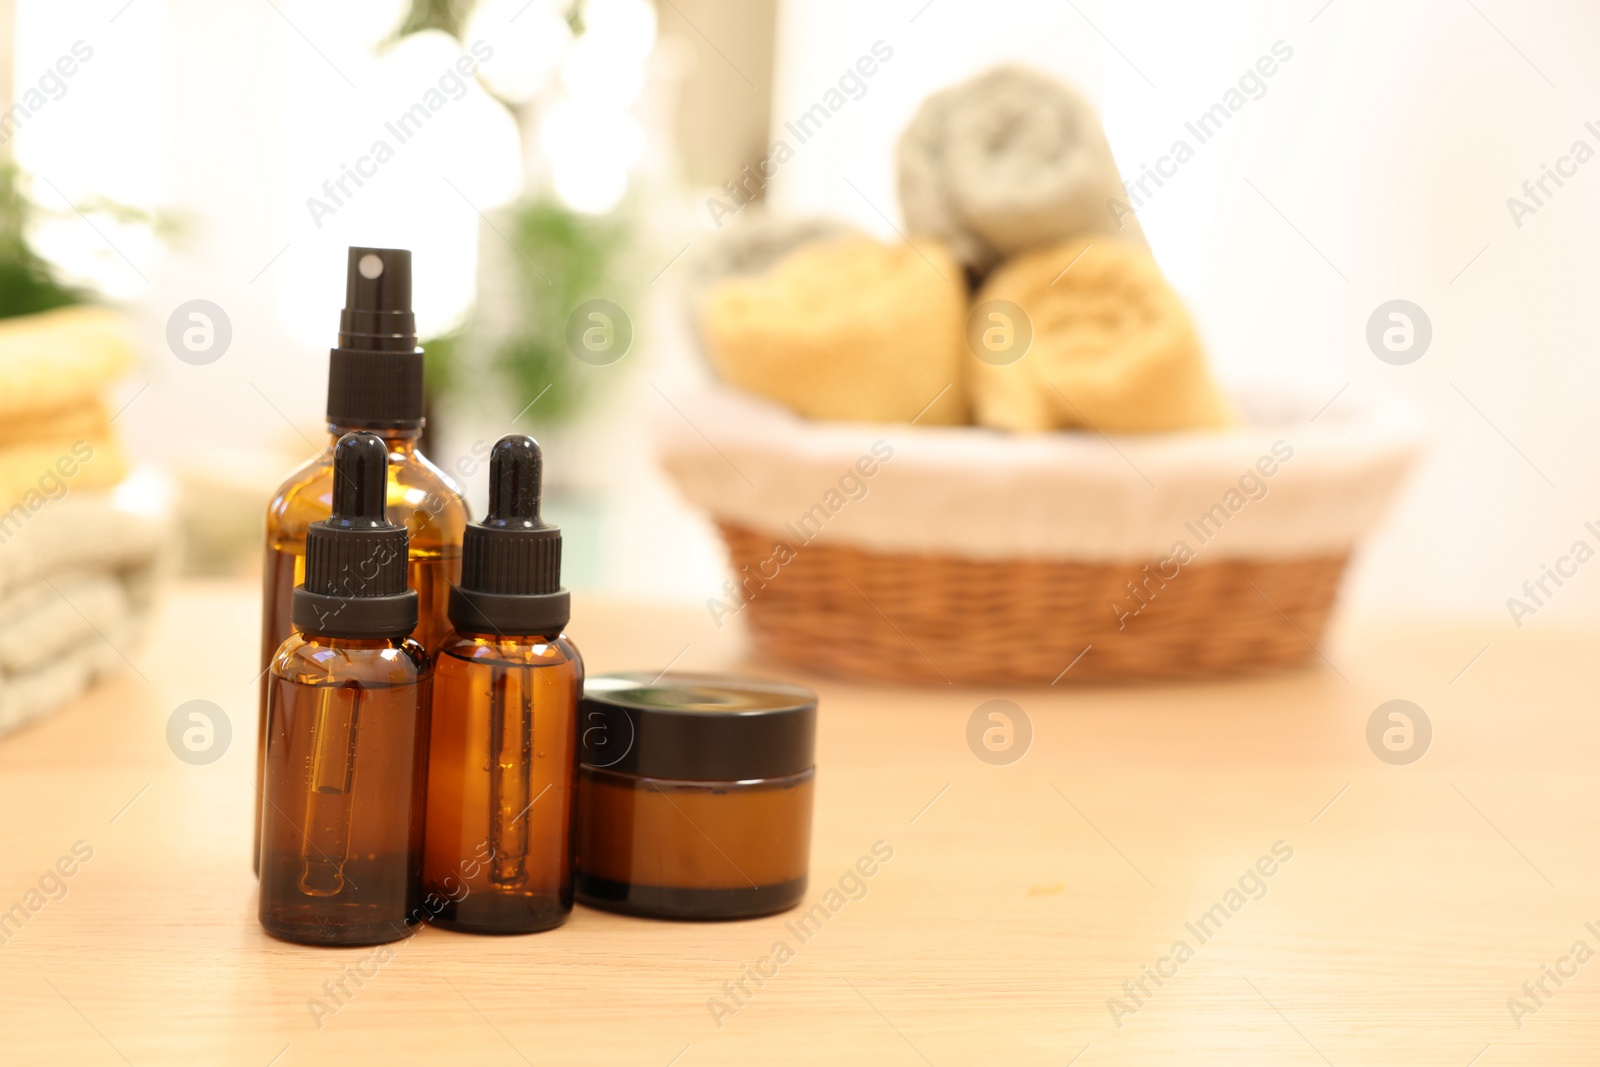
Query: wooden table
{"points": [[1019, 900]]}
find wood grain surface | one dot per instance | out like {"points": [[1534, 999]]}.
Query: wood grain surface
{"points": [[1019, 900]]}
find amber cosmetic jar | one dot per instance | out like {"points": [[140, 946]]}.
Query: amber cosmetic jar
{"points": [[694, 795]]}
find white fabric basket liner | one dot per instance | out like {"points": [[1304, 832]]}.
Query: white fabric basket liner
{"points": [[1071, 495]]}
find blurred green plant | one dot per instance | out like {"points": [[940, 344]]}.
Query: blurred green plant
{"points": [[28, 283], [446, 15], [451, 15], [439, 369], [564, 259]]}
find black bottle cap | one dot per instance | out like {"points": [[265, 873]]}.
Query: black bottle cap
{"points": [[356, 558], [375, 373], [696, 727], [511, 561]]}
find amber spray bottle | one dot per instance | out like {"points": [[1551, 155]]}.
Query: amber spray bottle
{"points": [[347, 728], [374, 383], [504, 745]]}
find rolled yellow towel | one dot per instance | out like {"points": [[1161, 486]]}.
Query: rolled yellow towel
{"points": [[59, 358], [846, 329], [1112, 347]]}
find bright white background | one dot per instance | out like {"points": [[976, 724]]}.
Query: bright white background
{"points": [[1390, 142]]}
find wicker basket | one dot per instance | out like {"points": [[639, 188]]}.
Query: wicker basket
{"points": [[933, 619], [972, 557]]}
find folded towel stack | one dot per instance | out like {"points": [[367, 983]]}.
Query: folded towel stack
{"points": [[76, 571], [77, 585], [55, 428]]}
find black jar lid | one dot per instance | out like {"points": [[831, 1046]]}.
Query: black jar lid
{"points": [[697, 727]]}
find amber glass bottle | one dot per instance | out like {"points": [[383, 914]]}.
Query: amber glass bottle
{"points": [[347, 724], [504, 744], [375, 384]]}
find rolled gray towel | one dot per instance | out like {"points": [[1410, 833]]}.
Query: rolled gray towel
{"points": [[1008, 161]]}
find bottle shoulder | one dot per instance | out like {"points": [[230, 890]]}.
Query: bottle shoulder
{"points": [[298, 495], [423, 471], [307, 659], [423, 498], [459, 649]]}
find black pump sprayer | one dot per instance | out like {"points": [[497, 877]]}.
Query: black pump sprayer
{"points": [[375, 373], [374, 384]]}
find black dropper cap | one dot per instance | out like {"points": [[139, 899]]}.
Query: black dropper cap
{"points": [[375, 373], [511, 562], [356, 558]]}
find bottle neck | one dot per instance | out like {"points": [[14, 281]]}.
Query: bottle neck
{"points": [[510, 638], [353, 644], [402, 441]]}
